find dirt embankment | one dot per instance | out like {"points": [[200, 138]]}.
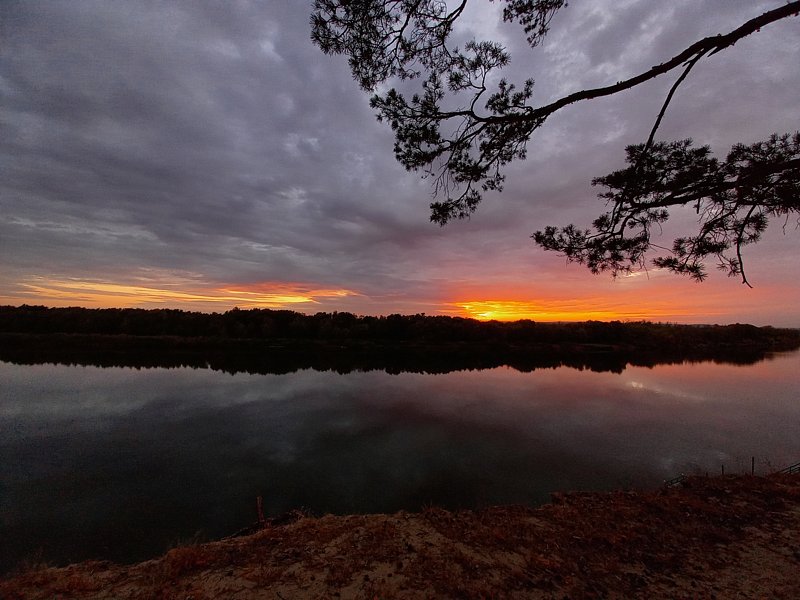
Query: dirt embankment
{"points": [[724, 537]]}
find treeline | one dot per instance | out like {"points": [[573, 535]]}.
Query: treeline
{"points": [[265, 324]]}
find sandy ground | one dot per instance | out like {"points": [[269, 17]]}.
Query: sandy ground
{"points": [[720, 537]]}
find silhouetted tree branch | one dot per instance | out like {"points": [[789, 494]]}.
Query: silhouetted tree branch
{"points": [[461, 131], [734, 199]]}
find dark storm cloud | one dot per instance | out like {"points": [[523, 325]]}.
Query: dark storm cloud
{"points": [[215, 140], [201, 125]]}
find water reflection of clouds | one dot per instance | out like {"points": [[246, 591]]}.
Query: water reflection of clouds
{"points": [[200, 442], [662, 393], [60, 392]]}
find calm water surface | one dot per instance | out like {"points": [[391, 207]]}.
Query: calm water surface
{"points": [[123, 463]]}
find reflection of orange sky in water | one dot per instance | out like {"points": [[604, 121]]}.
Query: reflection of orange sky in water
{"points": [[713, 377], [100, 294]]}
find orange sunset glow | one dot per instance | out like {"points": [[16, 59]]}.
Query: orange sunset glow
{"points": [[661, 299], [102, 294], [554, 310], [162, 290], [655, 296]]}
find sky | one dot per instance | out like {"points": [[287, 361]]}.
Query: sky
{"points": [[206, 155]]}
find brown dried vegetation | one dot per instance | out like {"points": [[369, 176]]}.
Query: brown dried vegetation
{"points": [[709, 538]]}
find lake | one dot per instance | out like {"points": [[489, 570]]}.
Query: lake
{"points": [[121, 464]]}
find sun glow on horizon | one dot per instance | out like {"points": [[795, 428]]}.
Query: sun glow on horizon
{"points": [[153, 289], [586, 309]]}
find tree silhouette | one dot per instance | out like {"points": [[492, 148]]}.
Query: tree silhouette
{"points": [[462, 134]]}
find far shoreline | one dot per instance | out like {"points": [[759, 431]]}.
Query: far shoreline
{"points": [[270, 341]]}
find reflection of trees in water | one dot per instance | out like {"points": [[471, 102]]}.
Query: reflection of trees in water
{"points": [[282, 341], [271, 357]]}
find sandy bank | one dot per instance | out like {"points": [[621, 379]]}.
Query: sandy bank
{"points": [[723, 537]]}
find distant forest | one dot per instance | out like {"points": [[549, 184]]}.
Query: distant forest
{"points": [[263, 340], [265, 324]]}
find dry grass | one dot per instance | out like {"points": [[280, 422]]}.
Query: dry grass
{"points": [[714, 537]]}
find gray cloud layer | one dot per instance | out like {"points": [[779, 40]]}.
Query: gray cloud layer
{"points": [[212, 139]]}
